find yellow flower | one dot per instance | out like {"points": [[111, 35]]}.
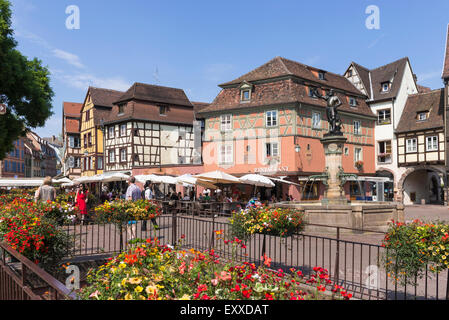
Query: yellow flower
{"points": [[128, 296], [151, 290], [135, 281], [138, 289], [122, 265], [124, 281], [185, 297]]}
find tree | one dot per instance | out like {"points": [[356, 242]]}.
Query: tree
{"points": [[24, 87]]}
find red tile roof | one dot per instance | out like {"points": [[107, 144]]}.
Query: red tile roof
{"points": [[72, 126], [155, 94], [281, 67], [432, 102], [72, 109]]}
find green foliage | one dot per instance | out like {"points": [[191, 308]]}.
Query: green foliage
{"points": [[24, 87], [411, 248]]}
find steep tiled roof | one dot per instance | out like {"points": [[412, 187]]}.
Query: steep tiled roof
{"points": [[72, 125], [281, 67], [431, 102], [281, 92], [104, 97], [364, 77], [445, 74], [156, 94], [72, 109], [374, 78], [143, 102], [422, 89]]}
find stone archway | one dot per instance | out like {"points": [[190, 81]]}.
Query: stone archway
{"points": [[439, 170]]}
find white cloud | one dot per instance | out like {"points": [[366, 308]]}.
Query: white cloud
{"points": [[68, 57], [84, 80], [429, 75]]}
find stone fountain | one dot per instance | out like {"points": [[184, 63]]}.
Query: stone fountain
{"points": [[335, 209]]}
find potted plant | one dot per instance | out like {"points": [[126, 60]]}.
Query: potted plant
{"points": [[359, 164]]}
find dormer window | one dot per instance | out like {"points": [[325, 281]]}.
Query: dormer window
{"points": [[321, 75], [246, 95], [121, 109], [385, 86], [162, 110], [352, 102], [245, 91], [422, 116], [312, 92]]}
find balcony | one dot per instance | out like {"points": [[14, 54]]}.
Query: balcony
{"points": [[384, 158]]}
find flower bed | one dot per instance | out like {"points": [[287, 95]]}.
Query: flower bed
{"points": [[265, 220], [25, 227], [412, 247], [120, 211], [150, 271]]}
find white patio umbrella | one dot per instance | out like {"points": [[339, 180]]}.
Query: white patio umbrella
{"points": [[189, 179], [113, 176], [168, 180], [62, 180], [217, 177], [257, 180]]}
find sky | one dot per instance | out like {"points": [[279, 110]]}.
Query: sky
{"points": [[196, 45]]}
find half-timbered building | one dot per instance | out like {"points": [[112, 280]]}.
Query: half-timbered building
{"points": [[151, 130], [421, 148], [269, 121], [71, 118], [96, 109], [387, 88]]}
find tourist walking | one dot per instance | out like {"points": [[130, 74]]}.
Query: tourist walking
{"points": [[46, 192], [133, 193], [81, 200], [149, 194]]}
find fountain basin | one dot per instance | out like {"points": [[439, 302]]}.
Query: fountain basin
{"points": [[361, 215]]}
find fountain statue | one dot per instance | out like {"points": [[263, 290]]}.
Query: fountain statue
{"points": [[333, 143], [335, 209]]}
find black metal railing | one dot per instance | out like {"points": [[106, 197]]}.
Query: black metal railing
{"points": [[352, 263]]}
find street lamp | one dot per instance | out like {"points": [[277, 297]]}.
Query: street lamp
{"points": [[297, 148]]}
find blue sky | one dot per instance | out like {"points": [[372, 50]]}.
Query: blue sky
{"points": [[196, 45]]}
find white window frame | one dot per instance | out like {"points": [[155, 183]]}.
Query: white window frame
{"points": [[274, 149], [358, 127], [123, 155], [352, 102], [385, 85], [422, 114], [358, 156], [123, 134], [433, 145], [242, 95], [111, 132], [111, 152], [273, 114], [383, 112], [226, 154], [314, 124], [226, 122], [408, 146], [100, 163]]}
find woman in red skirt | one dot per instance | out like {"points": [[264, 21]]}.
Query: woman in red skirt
{"points": [[81, 200]]}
